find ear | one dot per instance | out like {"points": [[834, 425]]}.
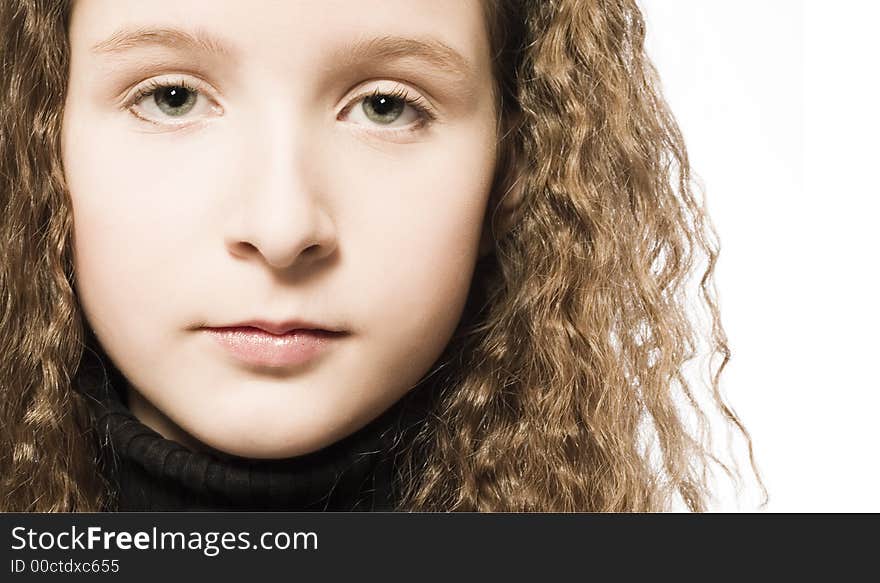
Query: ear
{"points": [[502, 211], [508, 190]]}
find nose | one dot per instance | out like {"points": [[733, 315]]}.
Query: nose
{"points": [[281, 215]]}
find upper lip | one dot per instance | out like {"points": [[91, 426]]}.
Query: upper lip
{"points": [[284, 327]]}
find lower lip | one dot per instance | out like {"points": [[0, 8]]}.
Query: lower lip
{"points": [[257, 347]]}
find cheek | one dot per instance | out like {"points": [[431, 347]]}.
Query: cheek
{"points": [[136, 214], [414, 236]]}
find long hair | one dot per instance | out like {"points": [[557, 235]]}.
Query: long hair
{"points": [[47, 455], [571, 351], [575, 353]]}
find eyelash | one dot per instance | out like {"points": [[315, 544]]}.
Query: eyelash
{"points": [[151, 87], [417, 103]]}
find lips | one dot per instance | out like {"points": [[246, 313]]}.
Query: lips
{"points": [[284, 327], [265, 344]]}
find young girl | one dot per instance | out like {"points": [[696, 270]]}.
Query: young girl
{"points": [[346, 256]]}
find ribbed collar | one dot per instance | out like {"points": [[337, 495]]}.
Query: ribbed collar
{"points": [[152, 473]]}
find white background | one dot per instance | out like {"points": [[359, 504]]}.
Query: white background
{"points": [[778, 101]]}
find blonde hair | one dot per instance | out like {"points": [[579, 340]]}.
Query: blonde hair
{"points": [[577, 328]]}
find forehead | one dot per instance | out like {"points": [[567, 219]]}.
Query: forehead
{"points": [[292, 34]]}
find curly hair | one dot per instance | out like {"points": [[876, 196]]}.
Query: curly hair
{"points": [[47, 458], [569, 360]]}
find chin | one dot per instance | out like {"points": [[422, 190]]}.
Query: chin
{"points": [[267, 446]]}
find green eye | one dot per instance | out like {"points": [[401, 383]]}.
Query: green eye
{"points": [[174, 100], [383, 109]]}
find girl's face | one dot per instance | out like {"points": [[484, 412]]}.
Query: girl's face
{"points": [[228, 162]]}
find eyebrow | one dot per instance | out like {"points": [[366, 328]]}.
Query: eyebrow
{"points": [[131, 38], [434, 52]]}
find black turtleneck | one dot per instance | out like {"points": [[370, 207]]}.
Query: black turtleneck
{"points": [[151, 473]]}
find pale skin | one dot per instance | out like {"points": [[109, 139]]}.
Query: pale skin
{"points": [[273, 193]]}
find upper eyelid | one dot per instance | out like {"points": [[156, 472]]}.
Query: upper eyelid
{"points": [[200, 85], [400, 91]]}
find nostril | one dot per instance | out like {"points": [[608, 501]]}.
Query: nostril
{"points": [[312, 249]]}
